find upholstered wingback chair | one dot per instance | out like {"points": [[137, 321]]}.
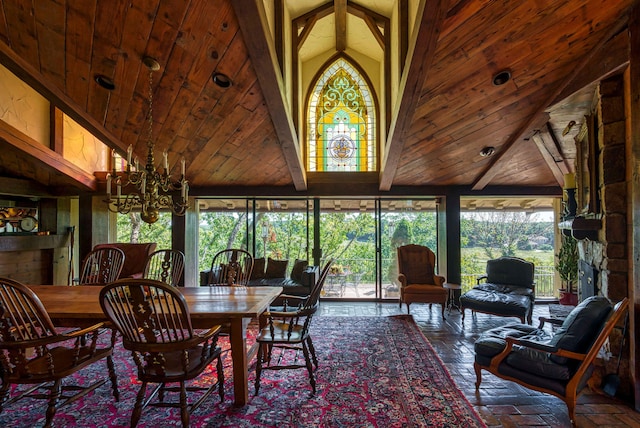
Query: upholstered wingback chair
{"points": [[418, 280]]}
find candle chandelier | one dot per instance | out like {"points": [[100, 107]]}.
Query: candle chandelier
{"points": [[151, 188]]}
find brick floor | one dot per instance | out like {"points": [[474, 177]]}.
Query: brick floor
{"points": [[500, 403]]}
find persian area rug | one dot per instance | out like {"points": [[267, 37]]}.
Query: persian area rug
{"points": [[373, 372]]}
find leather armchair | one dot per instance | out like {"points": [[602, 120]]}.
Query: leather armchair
{"points": [[557, 363], [418, 280]]}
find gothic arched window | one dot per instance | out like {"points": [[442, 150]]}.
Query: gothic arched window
{"points": [[341, 122]]}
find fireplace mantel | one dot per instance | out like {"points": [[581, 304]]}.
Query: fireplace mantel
{"points": [[581, 227]]}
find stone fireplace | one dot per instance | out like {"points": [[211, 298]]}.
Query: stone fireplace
{"points": [[603, 251]]}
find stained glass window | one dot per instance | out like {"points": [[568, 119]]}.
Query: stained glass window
{"points": [[341, 122]]}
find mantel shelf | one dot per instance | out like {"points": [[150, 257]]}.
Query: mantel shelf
{"points": [[581, 228], [33, 242]]}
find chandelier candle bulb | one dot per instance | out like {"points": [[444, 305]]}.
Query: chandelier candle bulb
{"points": [[570, 181], [165, 156], [184, 163], [109, 186], [129, 152]]}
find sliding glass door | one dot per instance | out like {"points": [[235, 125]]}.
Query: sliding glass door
{"points": [[361, 235], [348, 235]]}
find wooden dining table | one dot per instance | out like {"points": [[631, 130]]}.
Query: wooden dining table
{"points": [[79, 306]]}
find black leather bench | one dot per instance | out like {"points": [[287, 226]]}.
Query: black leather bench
{"points": [[509, 290]]}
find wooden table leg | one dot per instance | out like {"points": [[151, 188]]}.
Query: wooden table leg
{"points": [[238, 339]]}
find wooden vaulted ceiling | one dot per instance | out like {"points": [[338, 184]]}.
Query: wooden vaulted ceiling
{"points": [[445, 110]]}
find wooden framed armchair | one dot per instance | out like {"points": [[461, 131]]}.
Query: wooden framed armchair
{"points": [[34, 353], [102, 266], [154, 321], [232, 266], [557, 363], [418, 281], [166, 266], [287, 328]]}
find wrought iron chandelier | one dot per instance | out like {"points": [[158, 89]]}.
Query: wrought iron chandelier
{"points": [[152, 188]]}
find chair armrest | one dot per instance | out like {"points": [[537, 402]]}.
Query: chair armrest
{"points": [[49, 340], [291, 296], [403, 279], [79, 333], [550, 320], [196, 340], [211, 332], [480, 278], [536, 346], [439, 280]]}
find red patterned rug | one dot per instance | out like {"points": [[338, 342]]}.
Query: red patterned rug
{"points": [[373, 372]]}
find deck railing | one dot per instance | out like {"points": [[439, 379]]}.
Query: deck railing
{"points": [[362, 271], [543, 277]]}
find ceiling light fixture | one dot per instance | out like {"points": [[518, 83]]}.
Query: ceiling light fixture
{"points": [[501, 78], [105, 82], [487, 151], [221, 80], [154, 188]]}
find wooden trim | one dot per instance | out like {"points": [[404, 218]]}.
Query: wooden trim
{"points": [[56, 129], [45, 156], [278, 19], [341, 24], [33, 242], [403, 32], [252, 18], [633, 118], [421, 53]]}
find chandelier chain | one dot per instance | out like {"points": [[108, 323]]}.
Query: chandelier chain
{"points": [[153, 188]]}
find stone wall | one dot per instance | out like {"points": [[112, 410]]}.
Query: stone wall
{"points": [[610, 253]]}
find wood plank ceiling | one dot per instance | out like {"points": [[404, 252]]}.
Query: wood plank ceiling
{"points": [[243, 137]]}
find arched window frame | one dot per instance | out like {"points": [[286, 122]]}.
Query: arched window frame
{"points": [[314, 161]]}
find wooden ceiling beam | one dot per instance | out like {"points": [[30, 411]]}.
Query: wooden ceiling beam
{"points": [[420, 57], [547, 145], [373, 20], [254, 26], [341, 24], [43, 157], [501, 160]]}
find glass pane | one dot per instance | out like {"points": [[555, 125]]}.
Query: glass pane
{"points": [[130, 228], [223, 224], [494, 228], [348, 235], [404, 222]]}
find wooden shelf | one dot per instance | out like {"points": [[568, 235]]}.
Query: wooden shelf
{"points": [[33, 242], [581, 228]]}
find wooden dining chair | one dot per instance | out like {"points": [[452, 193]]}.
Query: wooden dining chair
{"points": [[33, 352], [232, 266], [166, 266], [154, 321], [101, 266], [287, 329]]}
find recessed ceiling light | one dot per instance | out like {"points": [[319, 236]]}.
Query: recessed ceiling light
{"points": [[221, 80], [151, 63], [105, 82], [487, 151], [502, 77]]}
